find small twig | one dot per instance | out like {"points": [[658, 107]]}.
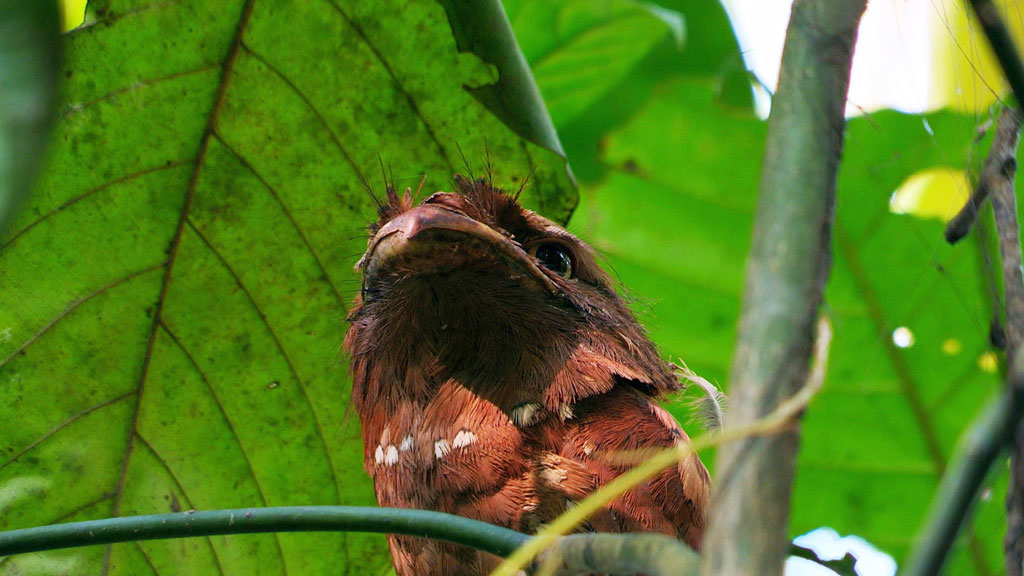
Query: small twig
{"points": [[995, 428], [845, 566], [1004, 206], [652, 554], [1000, 158]]}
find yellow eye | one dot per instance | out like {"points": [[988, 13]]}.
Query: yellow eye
{"points": [[554, 257]]}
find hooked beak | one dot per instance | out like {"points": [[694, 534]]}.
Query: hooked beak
{"points": [[420, 231]]}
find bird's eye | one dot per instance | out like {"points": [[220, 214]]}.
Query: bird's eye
{"points": [[554, 257]]}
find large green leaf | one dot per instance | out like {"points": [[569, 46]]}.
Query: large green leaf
{"points": [[172, 300]]}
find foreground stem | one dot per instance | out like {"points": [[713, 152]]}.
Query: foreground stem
{"points": [[786, 273], [473, 533]]}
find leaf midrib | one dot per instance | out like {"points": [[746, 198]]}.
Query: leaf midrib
{"points": [[175, 244]]}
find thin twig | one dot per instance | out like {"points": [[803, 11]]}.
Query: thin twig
{"points": [[1001, 155], [845, 566], [1006, 52], [1004, 207], [994, 429]]}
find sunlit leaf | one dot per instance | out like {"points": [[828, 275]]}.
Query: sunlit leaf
{"points": [[172, 299]]}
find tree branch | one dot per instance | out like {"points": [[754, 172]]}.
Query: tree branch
{"points": [[786, 273], [1004, 206], [448, 527], [1000, 156], [653, 554], [1009, 246]]}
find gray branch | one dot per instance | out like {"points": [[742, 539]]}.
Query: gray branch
{"points": [[789, 264]]}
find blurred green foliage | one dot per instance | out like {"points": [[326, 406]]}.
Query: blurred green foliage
{"points": [[172, 299]]}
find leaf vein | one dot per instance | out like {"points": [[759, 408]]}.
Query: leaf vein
{"points": [[175, 243], [909, 387], [76, 107], [280, 347], [398, 84], [88, 193], [227, 421], [64, 425], [75, 305], [309, 104], [288, 215], [177, 484]]}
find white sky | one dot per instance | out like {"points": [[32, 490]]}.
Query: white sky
{"points": [[892, 61]]}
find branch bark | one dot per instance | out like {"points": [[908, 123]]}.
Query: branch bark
{"points": [[1004, 206], [786, 273], [1009, 59], [652, 554]]}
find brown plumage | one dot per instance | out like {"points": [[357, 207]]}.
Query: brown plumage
{"points": [[496, 372]]}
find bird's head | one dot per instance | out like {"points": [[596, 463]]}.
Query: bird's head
{"points": [[470, 285]]}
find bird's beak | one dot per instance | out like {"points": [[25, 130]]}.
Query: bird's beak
{"points": [[420, 233]]}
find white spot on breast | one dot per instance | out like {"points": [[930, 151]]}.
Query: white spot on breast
{"points": [[463, 438], [406, 443], [391, 455], [553, 475], [441, 448], [525, 414], [378, 456], [565, 411], [588, 448]]}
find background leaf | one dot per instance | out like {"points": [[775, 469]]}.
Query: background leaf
{"points": [[174, 295]]}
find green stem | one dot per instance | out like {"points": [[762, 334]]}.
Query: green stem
{"points": [[473, 533]]}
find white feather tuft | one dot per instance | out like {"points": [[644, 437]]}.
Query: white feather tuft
{"points": [[709, 407]]}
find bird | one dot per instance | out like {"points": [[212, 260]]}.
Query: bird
{"points": [[497, 373]]}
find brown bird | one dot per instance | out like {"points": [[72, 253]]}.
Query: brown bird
{"points": [[496, 372]]}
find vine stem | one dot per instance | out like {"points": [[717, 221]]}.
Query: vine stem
{"points": [[479, 535]]}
